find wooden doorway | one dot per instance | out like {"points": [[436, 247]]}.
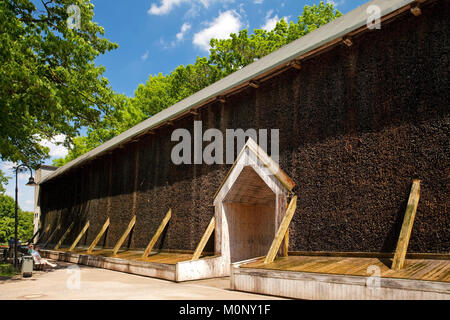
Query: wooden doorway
{"points": [[250, 205]]}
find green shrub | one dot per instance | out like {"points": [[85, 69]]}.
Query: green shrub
{"points": [[7, 270]]}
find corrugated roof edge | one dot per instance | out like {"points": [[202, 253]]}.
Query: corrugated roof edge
{"points": [[351, 21]]}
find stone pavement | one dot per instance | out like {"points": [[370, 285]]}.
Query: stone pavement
{"points": [[74, 282]]}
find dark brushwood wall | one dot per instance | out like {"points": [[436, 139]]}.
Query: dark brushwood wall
{"points": [[357, 124]]}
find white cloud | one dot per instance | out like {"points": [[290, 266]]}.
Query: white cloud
{"points": [[271, 22], [226, 23], [145, 56], [258, 1], [184, 28], [165, 7], [55, 146], [336, 3]]}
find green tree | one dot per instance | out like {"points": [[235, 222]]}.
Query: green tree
{"points": [[49, 83], [122, 116], [232, 54], [3, 182], [7, 205], [7, 229], [24, 219], [25, 225]]}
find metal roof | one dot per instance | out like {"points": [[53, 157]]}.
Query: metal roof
{"points": [[330, 32]]}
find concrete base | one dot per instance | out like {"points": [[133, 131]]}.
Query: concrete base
{"points": [[320, 286], [209, 267]]}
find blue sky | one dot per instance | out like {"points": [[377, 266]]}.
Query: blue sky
{"points": [[158, 35]]}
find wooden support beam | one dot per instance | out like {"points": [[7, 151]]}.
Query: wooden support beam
{"points": [[43, 233], [408, 221], [415, 10], [169, 123], [124, 236], [254, 84], [198, 251], [98, 237], [159, 231], [221, 99], [64, 236], [52, 235], [286, 244], [296, 64], [348, 41], [34, 236], [74, 244], [284, 226], [193, 112]]}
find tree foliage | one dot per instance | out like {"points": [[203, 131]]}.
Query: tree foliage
{"points": [[226, 56], [49, 84], [241, 49], [25, 220], [3, 182]]}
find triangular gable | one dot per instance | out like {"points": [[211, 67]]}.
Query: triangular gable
{"points": [[269, 171]]}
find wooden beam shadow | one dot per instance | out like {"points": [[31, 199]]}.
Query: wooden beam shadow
{"points": [[282, 230], [408, 221], [44, 233], [52, 235], [99, 236], [74, 244], [158, 233], [64, 236], [124, 235], [34, 236], [201, 245]]}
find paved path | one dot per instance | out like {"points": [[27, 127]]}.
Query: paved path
{"points": [[72, 282]]}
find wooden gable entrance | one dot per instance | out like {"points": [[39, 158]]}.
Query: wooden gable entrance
{"points": [[250, 205]]}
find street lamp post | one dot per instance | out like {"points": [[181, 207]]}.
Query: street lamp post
{"points": [[30, 183]]}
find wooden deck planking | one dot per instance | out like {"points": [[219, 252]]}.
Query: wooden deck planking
{"points": [[160, 257], [424, 270], [417, 269], [168, 258], [441, 272]]}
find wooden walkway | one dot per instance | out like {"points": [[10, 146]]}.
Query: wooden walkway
{"points": [[159, 257], [415, 269]]}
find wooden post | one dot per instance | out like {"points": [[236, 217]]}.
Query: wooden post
{"points": [[43, 233], [99, 235], [124, 236], [408, 221], [204, 240], [348, 41], [52, 235], [74, 244], [34, 236], [284, 226], [286, 244], [157, 234], [64, 236], [253, 84]]}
